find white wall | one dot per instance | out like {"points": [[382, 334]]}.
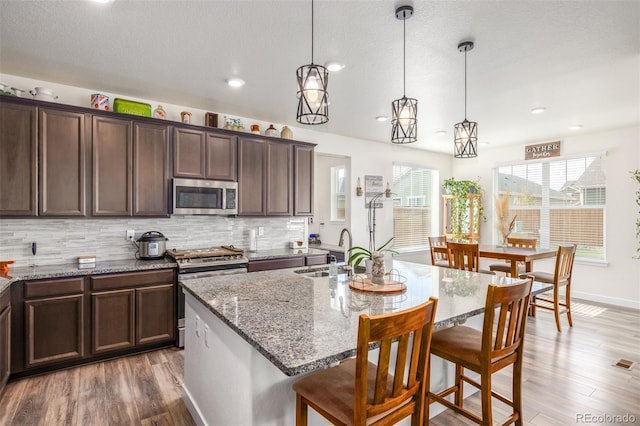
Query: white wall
{"points": [[617, 281], [322, 224]]}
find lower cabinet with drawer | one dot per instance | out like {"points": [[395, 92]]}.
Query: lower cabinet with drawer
{"points": [[132, 309], [56, 323]]}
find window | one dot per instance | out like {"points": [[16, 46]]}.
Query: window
{"points": [[414, 217], [338, 199], [561, 201]]}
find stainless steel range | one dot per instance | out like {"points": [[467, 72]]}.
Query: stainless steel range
{"points": [[205, 262]]}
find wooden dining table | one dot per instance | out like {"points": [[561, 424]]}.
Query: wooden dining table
{"points": [[515, 255]]}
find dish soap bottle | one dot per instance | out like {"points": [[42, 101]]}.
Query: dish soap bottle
{"points": [[159, 113]]}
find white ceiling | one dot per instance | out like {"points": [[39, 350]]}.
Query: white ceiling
{"points": [[579, 59]]}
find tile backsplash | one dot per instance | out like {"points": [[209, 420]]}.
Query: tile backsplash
{"points": [[62, 240]]}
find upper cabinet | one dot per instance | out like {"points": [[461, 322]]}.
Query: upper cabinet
{"points": [[275, 177], [130, 168], [279, 179], [18, 160], [251, 176], [150, 169], [303, 180], [204, 155], [42, 160], [62, 163]]}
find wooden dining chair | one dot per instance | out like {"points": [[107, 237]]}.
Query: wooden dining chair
{"points": [[560, 278], [514, 242], [360, 392], [438, 258], [465, 256], [496, 346]]}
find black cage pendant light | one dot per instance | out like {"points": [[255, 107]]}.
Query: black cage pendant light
{"points": [[466, 133], [404, 118], [313, 99]]}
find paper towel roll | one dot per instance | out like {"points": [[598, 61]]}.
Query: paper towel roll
{"points": [[253, 240]]}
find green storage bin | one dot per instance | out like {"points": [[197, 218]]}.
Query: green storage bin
{"points": [[125, 106]]}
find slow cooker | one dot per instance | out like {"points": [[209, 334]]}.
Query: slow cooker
{"points": [[151, 245]]}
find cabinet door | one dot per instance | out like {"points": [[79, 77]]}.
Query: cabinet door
{"points": [[5, 349], [18, 160], [188, 153], [221, 157], [251, 181], [112, 148], [279, 179], [54, 329], [155, 314], [303, 180], [150, 170], [113, 320], [62, 163]]}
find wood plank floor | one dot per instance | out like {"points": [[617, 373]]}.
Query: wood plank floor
{"points": [[566, 375]]}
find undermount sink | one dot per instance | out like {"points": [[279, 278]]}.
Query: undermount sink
{"points": [[322, 271]]}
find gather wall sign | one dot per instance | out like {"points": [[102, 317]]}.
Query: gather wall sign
{"points": [[542, 150]]}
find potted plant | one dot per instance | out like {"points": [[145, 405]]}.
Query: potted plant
{"points": [[357, 253], [460, 189]]}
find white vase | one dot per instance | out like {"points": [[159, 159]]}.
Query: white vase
{"points": [[377, 268]]}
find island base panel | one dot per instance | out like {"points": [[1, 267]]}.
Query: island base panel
{"points": [[227, 381]]}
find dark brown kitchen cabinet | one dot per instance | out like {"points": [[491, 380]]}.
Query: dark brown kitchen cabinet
{"points": [[265, 178], [303, 180], [132, 309], [275, 263], [54, 313], [113, 321], [204, 155], [188, 153], [18, 159], [5, 338], [154, 314], [130, 168], [150, 170], [62, 162], [251, 177], [112, 148], [279, 179], [221, 154]]}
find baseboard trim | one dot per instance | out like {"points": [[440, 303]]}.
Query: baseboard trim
{"points": [[195, 412], [614, 301]]}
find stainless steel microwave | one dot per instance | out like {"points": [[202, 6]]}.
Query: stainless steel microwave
{"points": [[196, 196]]}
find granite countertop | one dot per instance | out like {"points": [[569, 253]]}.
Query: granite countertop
{"points": [[302, 324], [280, 253], [72, 270]]}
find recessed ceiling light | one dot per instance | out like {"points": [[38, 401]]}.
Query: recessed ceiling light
{"points": [[441, 132], [235, 82], [382, 118], [102, 1], [538, 110], [334, 66], [575, 127]]}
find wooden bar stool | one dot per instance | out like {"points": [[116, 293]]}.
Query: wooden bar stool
{"points": [[437, 257], [560, 278], [359, 392], [498, 345], [514, 242]]}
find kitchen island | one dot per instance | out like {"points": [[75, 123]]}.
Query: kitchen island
{"points": [[249, 335]]}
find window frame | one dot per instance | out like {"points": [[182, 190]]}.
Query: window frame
{"points": [[432, 205], [545, 234]]}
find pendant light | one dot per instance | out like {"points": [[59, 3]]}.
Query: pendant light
{"points": [[313, 102], [404, 118], [466, 133]]}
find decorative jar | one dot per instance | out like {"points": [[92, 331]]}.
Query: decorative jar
{"points": [[271, 131], [286, 133]]}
